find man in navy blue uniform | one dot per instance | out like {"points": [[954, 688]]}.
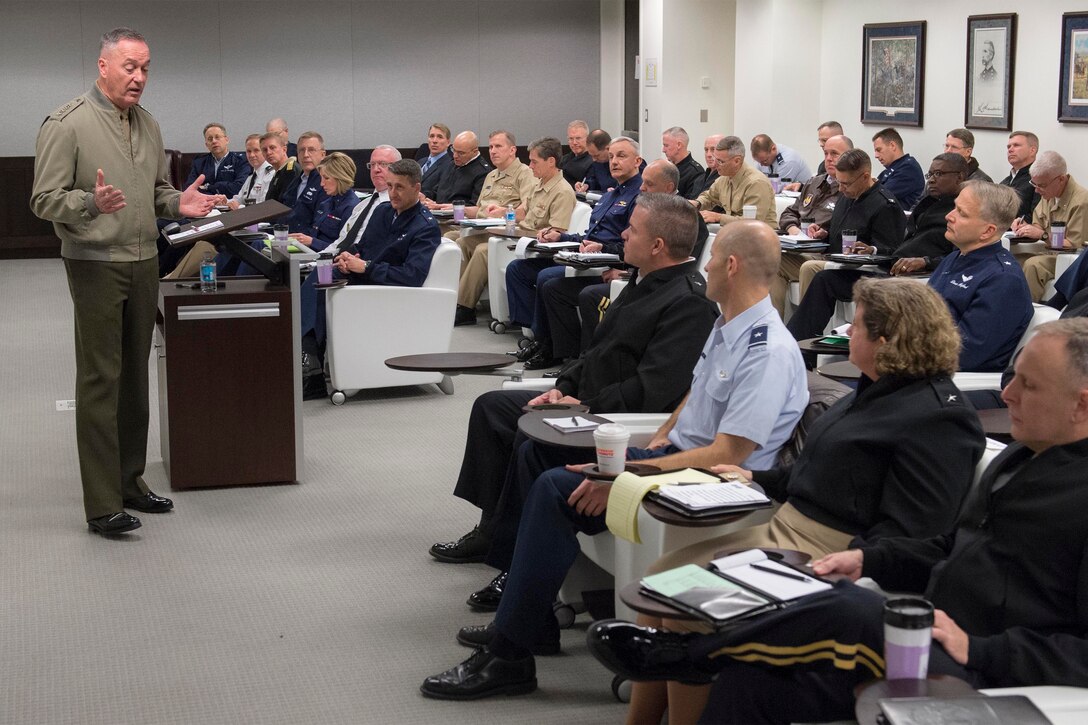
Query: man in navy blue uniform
{"points": [[308, 194], [224, 170], [902, 174]]}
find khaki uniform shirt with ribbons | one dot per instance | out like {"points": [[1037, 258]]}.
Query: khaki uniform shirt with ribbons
{"points": [[550, 205], [1071, 207], [747, 188], [512, 186]]}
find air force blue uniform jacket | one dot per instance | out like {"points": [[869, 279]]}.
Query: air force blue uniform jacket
{"points": [[227, 180]]}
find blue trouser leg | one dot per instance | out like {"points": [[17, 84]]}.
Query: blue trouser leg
{"points": [[539, 321], [521, 288]]}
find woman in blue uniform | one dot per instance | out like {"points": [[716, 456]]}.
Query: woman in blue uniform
{"points": [[337, 176]]}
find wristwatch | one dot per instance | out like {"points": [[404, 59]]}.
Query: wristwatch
{"points": [[366, 266], [1045, 237]]}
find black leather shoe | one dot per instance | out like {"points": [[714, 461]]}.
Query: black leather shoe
{"points": [[644, 653], [117, 523], [464, 316], [479, 635], [482, 675], [529, 351], [469, 549], [149, 503], [542, 361], [488, 598]]}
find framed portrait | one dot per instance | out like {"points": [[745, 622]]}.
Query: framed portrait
{"points": [[991, 62], [893, 63], [1073, 85]]}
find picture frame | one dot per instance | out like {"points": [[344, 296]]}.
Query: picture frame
{"points": [[990, 72], [1073, 82], [893, 62]]}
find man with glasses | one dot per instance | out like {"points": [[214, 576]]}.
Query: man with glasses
{"points": [[961, 141], [1061, 200], [378, 166], [465, 179], [311, 150]]}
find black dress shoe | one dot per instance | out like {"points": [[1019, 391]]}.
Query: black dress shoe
{"points": [[149, 503], [464, 316], [469, 549], [542, 361], [644, 653], [117, 523], [482, 675], [488, 598], [529, 351], [480, 635]]}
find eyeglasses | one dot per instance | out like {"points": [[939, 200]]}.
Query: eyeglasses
{"points": [[377, 164], [939, 174], [1045, 184]]}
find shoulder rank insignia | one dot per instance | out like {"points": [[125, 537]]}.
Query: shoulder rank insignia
{"points": [[758, 336]]}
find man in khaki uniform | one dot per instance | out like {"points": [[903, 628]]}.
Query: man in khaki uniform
{"points": [[1061, 199], [738, 186], [548, 204], [107, 238], [510, 182]]}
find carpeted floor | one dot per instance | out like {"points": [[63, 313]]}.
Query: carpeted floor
{"points": [[314, 603]]}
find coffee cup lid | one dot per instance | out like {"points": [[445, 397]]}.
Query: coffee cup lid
{"points": [[612, 429], [908, 613]]}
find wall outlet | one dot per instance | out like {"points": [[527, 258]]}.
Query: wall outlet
{"points": [[66, 405], [704, 115]]}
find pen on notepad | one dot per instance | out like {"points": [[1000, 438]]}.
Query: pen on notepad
{"points": [[769, 570]]}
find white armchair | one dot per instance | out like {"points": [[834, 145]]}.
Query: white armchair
{"points": [[992, 381], [368, 324]]}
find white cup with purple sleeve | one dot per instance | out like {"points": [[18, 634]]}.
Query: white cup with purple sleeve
{"points": [[459, 210], [1057, 235], [849, 239], [324, 271], [611, 442], [908, 632]]}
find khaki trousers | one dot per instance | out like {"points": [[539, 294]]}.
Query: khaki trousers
{"points": [[1038, 269], [473, 269], [789, 270]]}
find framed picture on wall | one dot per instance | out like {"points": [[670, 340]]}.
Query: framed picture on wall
{"points": [[1073, 85], [893, 63], [991, 62]]}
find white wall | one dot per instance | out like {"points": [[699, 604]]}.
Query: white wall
{"points": [[612, 66], [361, 73]]}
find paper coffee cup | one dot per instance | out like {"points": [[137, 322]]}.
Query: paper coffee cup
{"points": [[611, 441], [908, 631], [748, 211]]}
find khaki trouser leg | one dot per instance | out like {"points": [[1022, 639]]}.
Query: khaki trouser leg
{"points": [[114, 308], [809, 270], [1039, 270], [473, 276], [468, 245], [787, 272], [189, 266]]}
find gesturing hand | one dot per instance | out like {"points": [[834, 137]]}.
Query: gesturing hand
{"points": [[107, 198], [194, 204]]}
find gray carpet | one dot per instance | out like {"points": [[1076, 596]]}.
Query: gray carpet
{"points": [[314, 603]]}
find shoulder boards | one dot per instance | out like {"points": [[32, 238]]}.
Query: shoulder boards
{"points": [[64, 110], [758, 336]]}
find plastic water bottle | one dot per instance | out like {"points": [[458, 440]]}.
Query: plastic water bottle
{"points": [[511, 219], [207, 273]]}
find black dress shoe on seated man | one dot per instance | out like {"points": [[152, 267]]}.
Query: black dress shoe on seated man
{"points": [[532, 349], [111, 524], [542, 361], [644, 653], [464, 316], [480, 635], [482, 675], [469, 549], [488, 598], [149, 503]]}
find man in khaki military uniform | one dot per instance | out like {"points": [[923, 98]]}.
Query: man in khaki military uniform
{"points": [[1061, 199], [738, 186], [108, 238], [509, 183], [548, 204]]}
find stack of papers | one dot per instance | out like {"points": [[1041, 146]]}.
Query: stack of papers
{"points": [[597, 258], [702, 496], [574, 424]]}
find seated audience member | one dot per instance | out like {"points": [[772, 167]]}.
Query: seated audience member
{"points": [[710, 145], [573, 304], [902, 175], [509, 183], [674, 144], [981, 281], [893, 459], [575, 163], [464, 178], [961, 141], [395, 249], [812, 208], [781, 161], [824, 131], [748, 391], [597, 176], [1021, 150], [1061, 200], [606, 224], [284, 185], [639, 361], [548, 204], [279, 127], [922, 249], [437, 160], [1007, 580], [223, 170], [255, 187], [381, 158], [336, 173], [738, 186], [311, 150]]}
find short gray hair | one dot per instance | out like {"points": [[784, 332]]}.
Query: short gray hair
{"points": [[509, 136], [997, 204], [547, 147], [669, 171], [732, 145], [578, 124], [115, 36], [1075, 332], [672, 218], [391, 149], [1048, 162], [677, 132], [628, 139]]}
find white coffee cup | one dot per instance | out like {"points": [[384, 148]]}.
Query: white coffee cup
{"points": [[748, 212], [611, 441]]}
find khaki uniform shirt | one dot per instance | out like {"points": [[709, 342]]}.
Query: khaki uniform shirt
{"points": [[1071, 207], [82, 136], [813, 206], [747, 188], [512, 186], [550, 205]]}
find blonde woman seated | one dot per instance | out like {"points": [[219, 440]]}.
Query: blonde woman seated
{"points": [[894, 458]]}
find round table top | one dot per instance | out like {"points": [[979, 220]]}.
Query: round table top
{"points": [[869, 694], [842, 370], [447, 362], [532, 425]]}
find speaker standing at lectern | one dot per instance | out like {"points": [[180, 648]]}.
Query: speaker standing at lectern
{"points": [[100, 177]]}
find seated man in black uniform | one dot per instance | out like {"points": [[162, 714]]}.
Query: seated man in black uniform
{"points": [[1009, 582], [640, 361], [923, 248], [464, 179]]}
